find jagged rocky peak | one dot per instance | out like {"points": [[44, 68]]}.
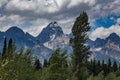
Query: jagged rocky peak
{"points": [[51, 31], [53, 24], [54, 28], [113, 35], [114, 38]]}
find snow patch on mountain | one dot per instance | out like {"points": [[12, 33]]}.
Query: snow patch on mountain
{"points": [[52, 37], [58, 42], [97, 49]]}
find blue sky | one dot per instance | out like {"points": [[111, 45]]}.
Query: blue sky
{"points": [[107, 21], [104, 26], [33, 15]]}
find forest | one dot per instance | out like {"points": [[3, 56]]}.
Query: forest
{"points": [[20, 65]]}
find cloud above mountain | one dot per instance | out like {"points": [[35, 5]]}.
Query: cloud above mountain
{"points": [[34, 15], [118, 21], [103, 33]]}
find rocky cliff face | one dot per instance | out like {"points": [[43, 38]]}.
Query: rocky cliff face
{"points": [[52, 31]]}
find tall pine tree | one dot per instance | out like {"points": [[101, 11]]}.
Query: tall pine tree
{"points": [[37, 64], [11, 49], [4, 49], [115, 66], [109, 65], [80, 51]]}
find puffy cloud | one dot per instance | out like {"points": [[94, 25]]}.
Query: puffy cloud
{"points": [[2, 2], [36, 26], [103, 8], [35, 6], [102, 32], [39, 13], [77, 2], [118, 21], [8, 21]]}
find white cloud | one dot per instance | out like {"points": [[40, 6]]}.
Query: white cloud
{"points": [[77, 2], [11, 20], [41, 12], [36, 26], [2, 2], [112, 18], [118, 21], [103, 33], [34, 30], [36, 6], [103, 8]]}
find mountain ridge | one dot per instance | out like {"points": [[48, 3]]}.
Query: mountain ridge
{"points": [[44, 46]]}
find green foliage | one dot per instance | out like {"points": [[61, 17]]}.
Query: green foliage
{"points": [[109, 65], [54, 73], [16, 68], [11, 49], [80, 50], [94, 67], [99, 77], [110, 76], [58, 58], [8, 50], [15, 65], [57, 68]]}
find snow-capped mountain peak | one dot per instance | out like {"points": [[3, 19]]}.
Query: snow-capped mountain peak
{"points": [[53, 24], [53, 30]]}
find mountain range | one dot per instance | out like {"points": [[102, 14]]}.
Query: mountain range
{"points": [[102, 49], [52, 37]]}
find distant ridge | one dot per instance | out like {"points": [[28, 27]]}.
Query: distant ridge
{"points": [[52, 37]]}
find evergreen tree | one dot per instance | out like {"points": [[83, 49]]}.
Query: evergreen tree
{"points": [[90, 66], [94, 67], [99, 64], [109, 65], [58, 58], [17, 68], [115, 67], [119, 67], [45, 63], [10, 49], [99, 67], [104, 68], [103, 63], [37, 64], [4, 49], [55, 58], [56, 70], [80, 51]]}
